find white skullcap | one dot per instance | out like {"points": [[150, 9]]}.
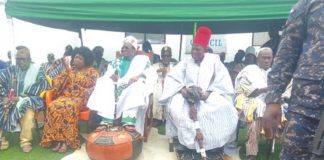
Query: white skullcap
{"points": [[264, 49], [132, 40], [250, 50]]}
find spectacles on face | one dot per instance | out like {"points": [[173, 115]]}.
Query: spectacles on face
{"points": [[166, 55], [22, 59]]}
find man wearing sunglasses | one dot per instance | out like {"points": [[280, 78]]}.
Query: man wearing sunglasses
{"points": [[20, 86], [162, 68]]}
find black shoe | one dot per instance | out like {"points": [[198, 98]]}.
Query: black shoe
{"points": [[251, 157], [178, 146]]}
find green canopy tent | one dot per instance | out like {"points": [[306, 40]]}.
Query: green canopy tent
{"points": [[154, 16]]}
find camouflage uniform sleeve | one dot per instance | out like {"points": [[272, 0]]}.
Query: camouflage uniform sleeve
{"points": [[289, 51]]}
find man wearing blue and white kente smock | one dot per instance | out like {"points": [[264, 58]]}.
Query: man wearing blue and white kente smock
{"points": [[20, 87], [215, 116], [135, 79]]}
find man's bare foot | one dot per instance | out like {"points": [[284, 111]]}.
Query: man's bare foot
{"points": [[63, 148], [27, 148], [4, 144], [56, 147], [129, 128], [103, 127]]}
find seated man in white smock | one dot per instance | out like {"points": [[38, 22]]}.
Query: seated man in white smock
{"points": [[129, 81], [207, 122]]}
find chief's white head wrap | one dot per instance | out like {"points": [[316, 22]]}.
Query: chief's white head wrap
{"points": [[132, 40]]}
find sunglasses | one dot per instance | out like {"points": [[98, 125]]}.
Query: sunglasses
{"points": [[22, 59], [166, 55]]}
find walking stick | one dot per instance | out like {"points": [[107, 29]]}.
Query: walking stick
{"points": [[11, 95], [193, 98], [199, 135], [270, 143], [117, 122], [116, 98], [8, 106]]}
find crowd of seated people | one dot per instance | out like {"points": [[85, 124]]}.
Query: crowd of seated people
{"points": [[82, 78], [72, 79]]}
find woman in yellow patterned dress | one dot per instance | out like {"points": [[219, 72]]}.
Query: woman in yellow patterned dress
{"points": [[71, 88]]}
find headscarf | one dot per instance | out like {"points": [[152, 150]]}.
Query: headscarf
{"points": [[131, 40]]}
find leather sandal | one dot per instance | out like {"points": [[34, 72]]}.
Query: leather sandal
{"points": [[63, 148], [27, 148], [57, 147]]}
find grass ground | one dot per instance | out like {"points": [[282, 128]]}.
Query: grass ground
{"points": [[262, 147], [39, 153]]}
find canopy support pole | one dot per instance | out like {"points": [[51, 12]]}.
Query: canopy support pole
{"points": [[80, 36], [194, 30], [180, 49]]}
